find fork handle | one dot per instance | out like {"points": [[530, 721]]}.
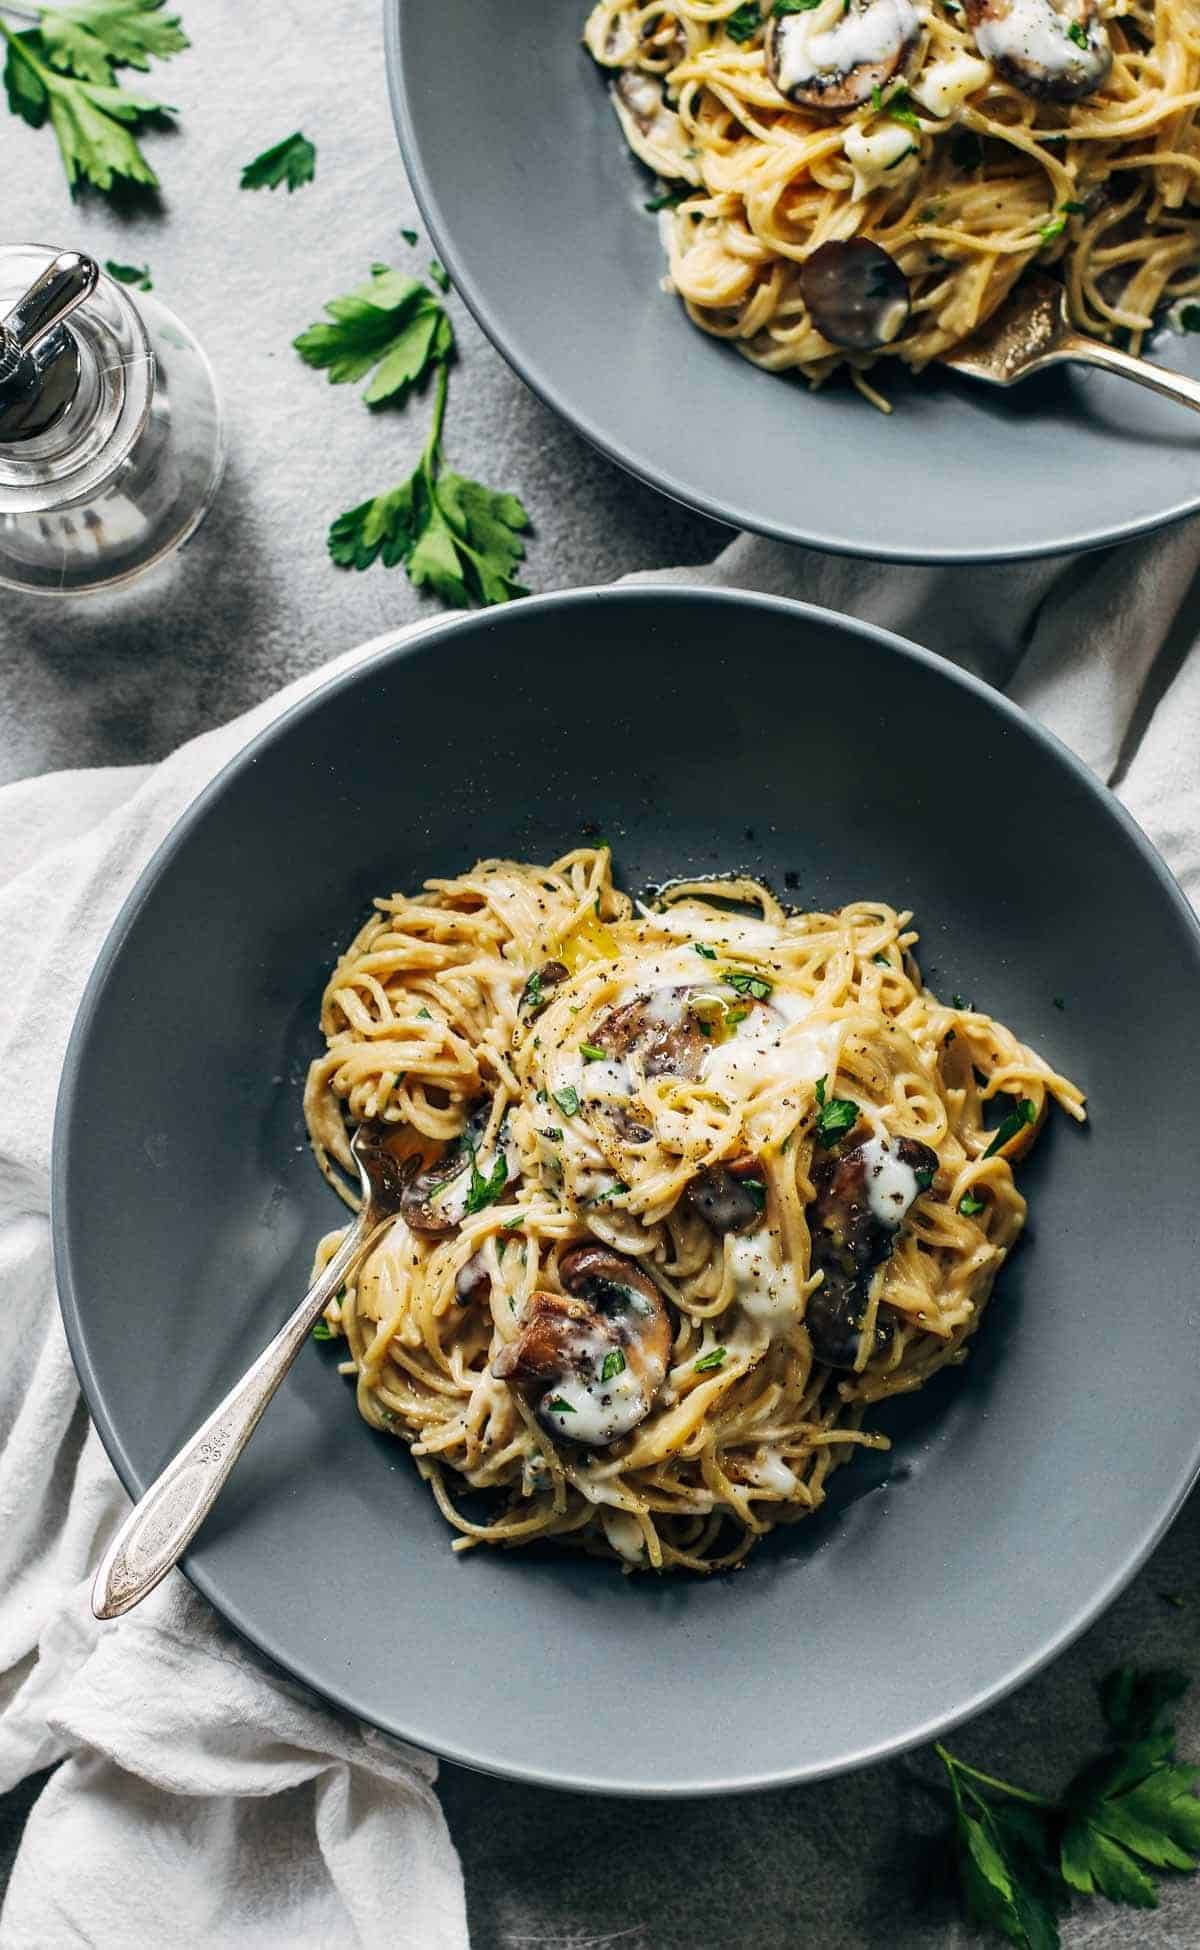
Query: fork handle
{"points": [[162, 1524], [1094, 352]]}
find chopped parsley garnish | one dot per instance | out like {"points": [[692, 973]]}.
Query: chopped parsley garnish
{"points": [[423, 1015], [322, 1331], [835, 1116], [292, 161], [734, 1016], [409, 236], [552, 1134], [924, 1176], [567, 1100], [485, 1191], [783, 7], [757, 1191], [710, 954], [1078, 33], [969, 1205], [592, 1053], [897, 109], [510, 1225], [881, 961], [560, 1407], [678, 193], [614, 1191], [1052, 230], [744, 22], [614, 1364], [713, 1359], [1014, 1122], [531, 994], [1074, 209], [138, 275], [392, 323], [439, 274], [746, 982]]}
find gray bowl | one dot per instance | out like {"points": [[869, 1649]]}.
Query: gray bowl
{"points": [[699, 731], [535, 205]]}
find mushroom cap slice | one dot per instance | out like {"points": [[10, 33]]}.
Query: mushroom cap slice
{"points": [[836, 55], [849, 1242], [434, 1198], [1054, 50], [598, 1353], [857, 295]]}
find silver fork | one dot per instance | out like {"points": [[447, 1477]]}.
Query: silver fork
{"points": [[163, 1522], [1032, 330]]}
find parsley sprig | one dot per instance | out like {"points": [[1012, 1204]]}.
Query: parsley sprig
{"points": [[63, 72], [835, 1116], [452, 535], [1021, 1857], [292, 161]]}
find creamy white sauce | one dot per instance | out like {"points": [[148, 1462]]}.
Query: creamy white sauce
{"points": [[944, 86], [685, 922], [886, 155], [595, 1411], [765, 1289], [624, 1533], [450, 1200], [891, 1184], [1034, 32], [828, 42], [768, 1471], [763, 1052]]}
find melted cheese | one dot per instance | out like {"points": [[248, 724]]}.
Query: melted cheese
{"points": [[944, 86], [827, 41], [1034, 33], [765, 1289], [885, 156], [624, 1533], [891, 1184]]}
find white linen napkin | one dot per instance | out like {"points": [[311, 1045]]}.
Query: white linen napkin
{"points": [[157, 1828]]}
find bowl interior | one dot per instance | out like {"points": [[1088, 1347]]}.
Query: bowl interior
{"points": [[537, 208], [699, 731]]}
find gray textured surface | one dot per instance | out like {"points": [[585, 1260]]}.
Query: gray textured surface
{"points": [[253, 603]]}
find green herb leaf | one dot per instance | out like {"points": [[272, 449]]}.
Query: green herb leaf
{"points": [[292, 161], [592, 1053], [835, 1116], [409, 236], [757, 1191], [561, 1407], [391, 323], [93, 37], [1053, 229], [746, 982], [970, 1206], [439, 274], [710, 954], [423, 1015], [678, 193], [567, 1100], [137, 275], [93, 121], [1014, 1122], [614, 1364], [881, 960], [531, 994], [713, 1359], [783, 7], [1133, 1701], [1079, 34], [744, 22], [485, 1191], [322, 1331], [897, 108], [614, 1191]]}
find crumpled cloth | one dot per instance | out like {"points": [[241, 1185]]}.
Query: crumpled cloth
{"points": [[158, 1827]]}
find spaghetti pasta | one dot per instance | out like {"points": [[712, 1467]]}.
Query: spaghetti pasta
{"points": [[960, 167], [689, 1186]]}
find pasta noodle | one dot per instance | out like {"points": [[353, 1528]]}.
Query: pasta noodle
{"points": [[690, 1186], [963, 176]]}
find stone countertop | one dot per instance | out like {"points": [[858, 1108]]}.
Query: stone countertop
{"points": [[254, 602]]}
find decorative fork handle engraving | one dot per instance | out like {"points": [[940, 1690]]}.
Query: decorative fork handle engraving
{"points": [[161, 1526]]}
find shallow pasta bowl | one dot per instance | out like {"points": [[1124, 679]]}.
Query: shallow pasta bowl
{"points": [[537, 209], [697, 731]]}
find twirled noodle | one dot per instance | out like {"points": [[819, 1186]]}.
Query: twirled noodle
{"points": [[1106, 188], [716, 1100]]}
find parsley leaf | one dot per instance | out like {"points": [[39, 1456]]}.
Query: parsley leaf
{"points": [[744, 22], [453, 535], [391, 323], [897, 108], [757, 1191], [1050, 231], [592, 1053], [567, 1100], [747, 983], [710, 954], [835, 1116], [1078, 33], [667, 199], [137, 275], [322, 1331], [969, 1205], [713, 1359], [292, 161], [485, 1191], [783, 7], [1014, 1122], [92, 37], [614, 1364], [561, 1407], [93, 121]]}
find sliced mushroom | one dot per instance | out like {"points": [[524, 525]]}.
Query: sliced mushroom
{"points": [[835, 55], [857, 296], [661, 1029], [472, 1282], [730, 1197], [862, 1194], [652, 129], [1055, 50], [434, 1199], [596, 1355]]}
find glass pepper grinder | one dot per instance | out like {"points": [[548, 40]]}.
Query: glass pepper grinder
{"points": [[110, 430]]}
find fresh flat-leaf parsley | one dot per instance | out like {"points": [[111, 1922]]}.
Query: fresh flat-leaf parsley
{"points": [[137, 275], [835, 1116], [667, 199], [591, 1052], [560, 1406], [713, 1359], [614, 1364], [92, 37], [1078, 33], [970, 1206], [567, 1100], [746, 982], [292, 161], [486, 1190], [710, 954], [783, 7], [93, 118], [744, 22], [391, 323], [1014, 1122], [322, 1331]]}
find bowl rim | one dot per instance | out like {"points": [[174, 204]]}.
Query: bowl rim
{"points": [[394, 648], [528, 367]]}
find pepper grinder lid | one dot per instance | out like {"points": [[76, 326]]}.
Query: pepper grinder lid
{"points": [[39, 357]]}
